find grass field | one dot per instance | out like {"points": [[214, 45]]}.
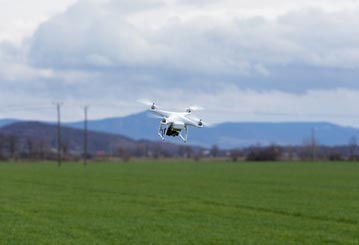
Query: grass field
{"points": [[179, 203]]}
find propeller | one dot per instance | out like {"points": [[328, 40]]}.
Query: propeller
{"points": [[148, 103], [151, 115], [163, 119], [200, 122], [194, 108]]}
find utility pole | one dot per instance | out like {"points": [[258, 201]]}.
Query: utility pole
{"points": [[59, 139], [86, 107], [314, 145]]}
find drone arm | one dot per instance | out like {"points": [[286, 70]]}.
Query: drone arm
{"points": [[160, 113], [192, 123]]}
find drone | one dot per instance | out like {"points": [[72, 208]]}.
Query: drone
{"points": [[173, 123]]}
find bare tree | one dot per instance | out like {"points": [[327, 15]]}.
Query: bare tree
{"points": [[65, 150], [197, 156], [235, 154], [157, 151], [270, 153], [353, 145], [13, 145], [214, 151], [30, 148], [123, 153], [313, 145], [2, 146], [290, 153], [309, 148], [185, 151]]}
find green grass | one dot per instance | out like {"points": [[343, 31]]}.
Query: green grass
{"points": [[179, 203]]}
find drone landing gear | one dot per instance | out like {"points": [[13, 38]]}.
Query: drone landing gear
{"points": [[169, 131], [186, 136], [162, 132]]}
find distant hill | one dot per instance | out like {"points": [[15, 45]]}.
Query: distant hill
{"points": [[229, 135], [74, 138], [226, 135], [136, 126], [4, 122], [245, 134], [140, 126]]}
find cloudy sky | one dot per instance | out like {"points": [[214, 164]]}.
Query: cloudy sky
{"points": [[262, 60]]}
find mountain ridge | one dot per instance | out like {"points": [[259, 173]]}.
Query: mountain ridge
{"points": [[227, 135], [44, 134]]}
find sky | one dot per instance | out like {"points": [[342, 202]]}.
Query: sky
{"points": [[261, 60]]}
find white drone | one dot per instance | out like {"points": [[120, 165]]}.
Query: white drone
{"points": [[173, 123]]}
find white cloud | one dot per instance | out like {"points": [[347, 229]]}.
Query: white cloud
{"points": [[250, 57], [97, 35], [14, 66], [20, 18]]}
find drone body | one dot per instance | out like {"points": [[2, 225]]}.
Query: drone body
{"points": [[173, 123]]}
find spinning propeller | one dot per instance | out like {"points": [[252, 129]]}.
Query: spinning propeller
{"points": [[194, 108], [148, 103]]}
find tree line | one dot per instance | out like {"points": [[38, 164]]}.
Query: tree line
{"points": [[15, 148]]}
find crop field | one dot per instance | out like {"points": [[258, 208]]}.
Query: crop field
{"points": [[174, 202]]}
